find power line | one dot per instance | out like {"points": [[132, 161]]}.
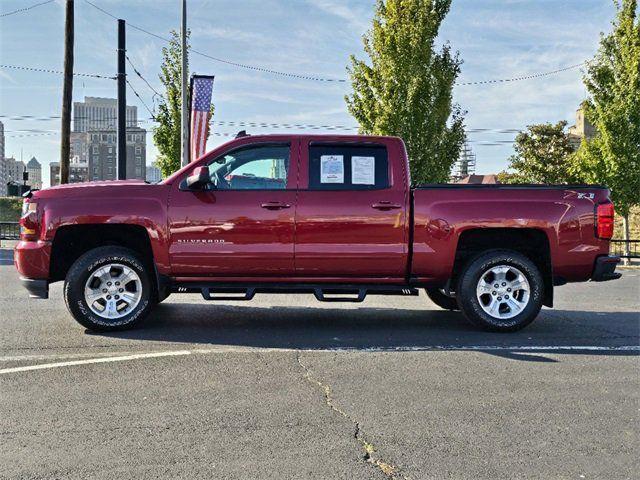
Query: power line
{"points": [[33, 134], [228, 62], [26, 8], [528, 77], [338, 80], [140, 98], [252, 124], [252, 67], [142, 78], [46, 70]]}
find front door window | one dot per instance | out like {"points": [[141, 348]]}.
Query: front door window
{"points": [[264, 167]]}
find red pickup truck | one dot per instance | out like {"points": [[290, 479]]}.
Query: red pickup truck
{"points": [[334, 216]]}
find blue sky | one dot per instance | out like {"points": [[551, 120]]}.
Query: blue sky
{"points": [[496, 39]]}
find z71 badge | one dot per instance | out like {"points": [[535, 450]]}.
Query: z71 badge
{"points": [[586, 196]]}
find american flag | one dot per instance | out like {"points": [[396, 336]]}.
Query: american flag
{"points": [[200, 114]]}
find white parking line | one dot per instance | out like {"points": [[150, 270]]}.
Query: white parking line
{"points": [[480, 348], [230, 349], [44, 366]]}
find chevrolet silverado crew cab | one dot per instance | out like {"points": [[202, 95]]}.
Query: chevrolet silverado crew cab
{"points": [[334, 216]]}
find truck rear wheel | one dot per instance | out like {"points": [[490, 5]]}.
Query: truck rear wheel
{"points": [[440, 298], [500, 291], [108, 289]]}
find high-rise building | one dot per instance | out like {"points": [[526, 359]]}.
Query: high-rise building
{"points": [[153, 175], [13, 172], [102, 147], [3, 173], [94, 139], [34, 169], [97, 113], [77, 173], [1, 140], [465, 164], [79, 151]]}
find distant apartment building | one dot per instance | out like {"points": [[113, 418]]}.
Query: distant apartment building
{"points": [[34, 169], [582, 129], [78, 144], [14, 169], [97, 113], [77, 173], [3, 173], [153, 175], [1, 141], [102, 148], [94, 137]]}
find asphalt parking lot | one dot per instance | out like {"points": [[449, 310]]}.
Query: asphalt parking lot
{"points": [[285, 387]]}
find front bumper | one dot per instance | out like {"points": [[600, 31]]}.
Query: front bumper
{"points": [[604, 269], [37, 288], [32, 262], [32, 258]]}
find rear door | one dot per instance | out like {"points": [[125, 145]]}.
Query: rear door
{"points": [[351, 218], [242, 225]]}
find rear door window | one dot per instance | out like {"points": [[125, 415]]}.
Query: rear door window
{"points": [[348, 167]]}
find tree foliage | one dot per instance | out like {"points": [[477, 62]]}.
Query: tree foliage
{"points": [[167, 135], [406, 90], [613, 82], [543, 154]]}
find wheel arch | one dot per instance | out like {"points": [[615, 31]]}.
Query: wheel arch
{"points": [[72, 241], [531, 242]]}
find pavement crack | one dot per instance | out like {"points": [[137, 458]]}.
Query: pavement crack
{"points": [[369, 455]]}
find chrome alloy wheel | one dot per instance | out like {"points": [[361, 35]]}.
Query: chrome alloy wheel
{"points": [[113, 291], [503, 292]]}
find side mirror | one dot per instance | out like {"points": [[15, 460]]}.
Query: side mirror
{"points": [[198, 178]]}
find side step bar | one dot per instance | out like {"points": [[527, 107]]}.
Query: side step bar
{"points": [[322, 292]]}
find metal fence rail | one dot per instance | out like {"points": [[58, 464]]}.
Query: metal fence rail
{"points": [[9, 231], [618, 247]]}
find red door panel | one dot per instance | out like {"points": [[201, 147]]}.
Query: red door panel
{"points": [[235, 232], [341, 234]]}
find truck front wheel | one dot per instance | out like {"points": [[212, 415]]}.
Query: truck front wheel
{"points": [[108, 288], [500, 291]]}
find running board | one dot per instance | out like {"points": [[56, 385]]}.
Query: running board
{"points": [[322, 292]]}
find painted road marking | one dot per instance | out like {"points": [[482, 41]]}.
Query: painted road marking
{"points": [[138, 356], [227, 349]]}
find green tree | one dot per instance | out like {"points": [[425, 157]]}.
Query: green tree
{"points": [[543, 155], [406, 90], [167, 135], [612, 79]]}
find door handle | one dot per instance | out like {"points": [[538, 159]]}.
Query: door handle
{"points": [[275, 205], [384, 205]]}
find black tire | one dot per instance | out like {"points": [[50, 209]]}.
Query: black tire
{"points": [[88, 264], [441, 299], [479, 268]]}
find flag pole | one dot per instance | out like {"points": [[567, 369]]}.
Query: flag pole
{"points": [[184, 118]]}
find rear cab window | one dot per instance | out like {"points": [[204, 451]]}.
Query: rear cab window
{"points": [[348, 167]]}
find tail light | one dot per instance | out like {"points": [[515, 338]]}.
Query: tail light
{"points": [[604, 220], [29, 221]]}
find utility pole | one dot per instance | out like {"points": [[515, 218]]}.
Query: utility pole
{"points": [[122, 103], [67, 94], [184, 146]]}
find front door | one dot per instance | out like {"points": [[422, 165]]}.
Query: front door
{"points": [[242, 224]]}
